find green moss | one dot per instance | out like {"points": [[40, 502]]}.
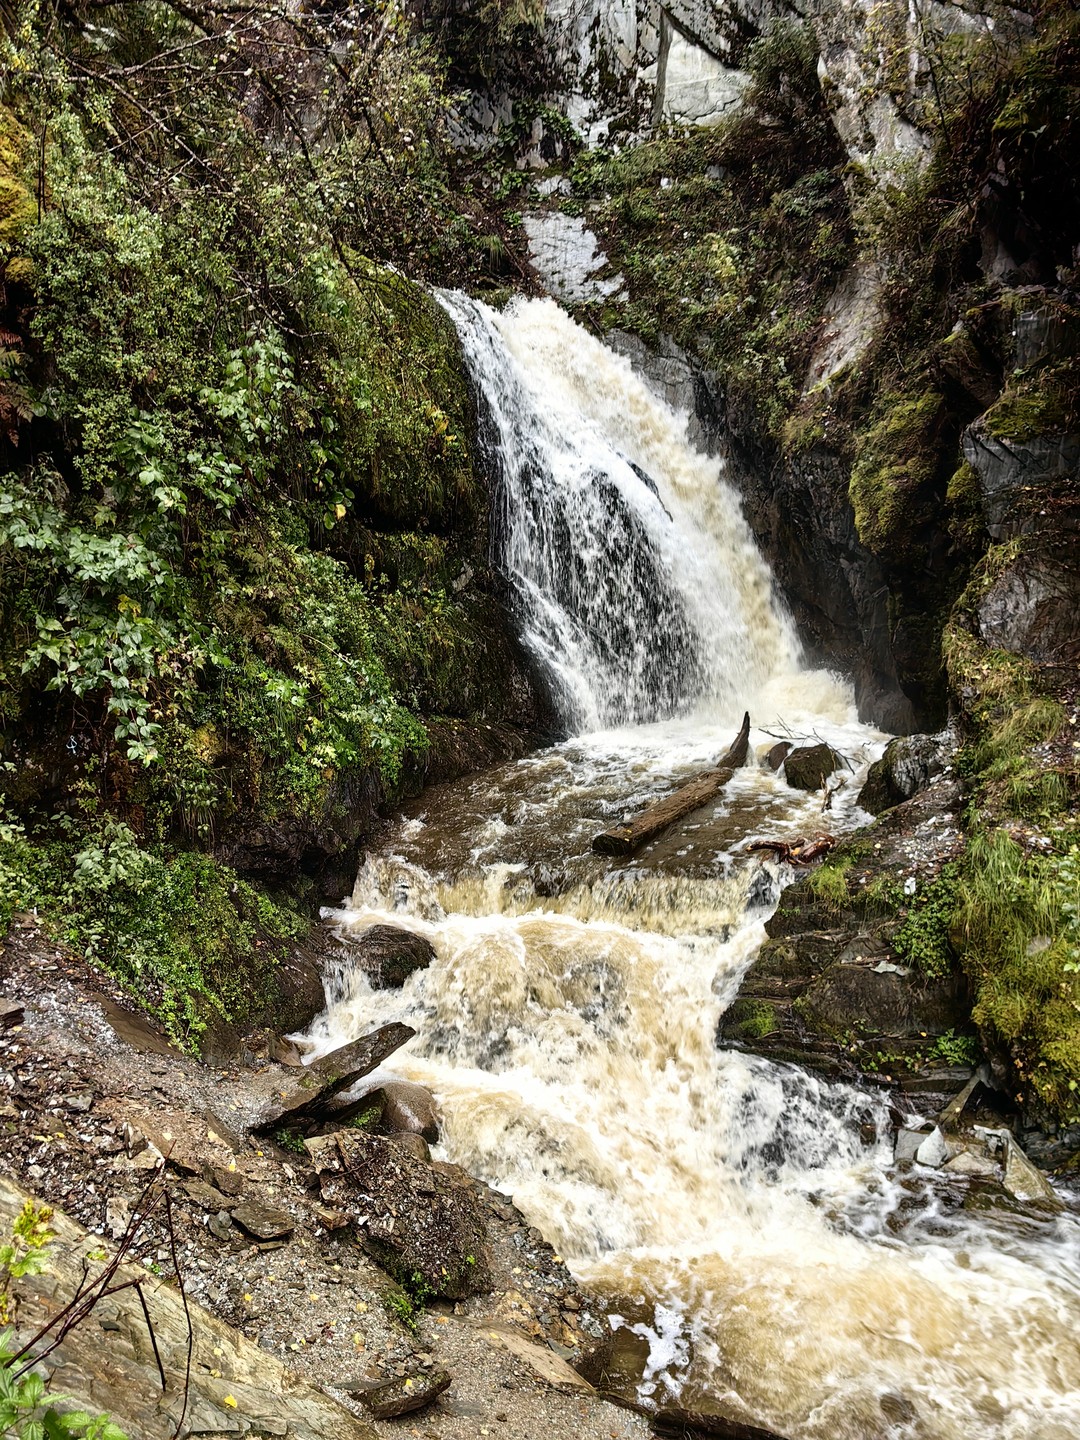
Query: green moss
{"points": [[751, 1019], [187, 938], [829, 884], [896, 461], [1022, 416], [1017, 928]]}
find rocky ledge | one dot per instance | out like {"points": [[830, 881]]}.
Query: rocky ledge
{"points": [[330, 1285]]}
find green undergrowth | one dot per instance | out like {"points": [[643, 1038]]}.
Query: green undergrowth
{"points": [[1015, 925], [243, 541], [188, 939], [829, 884], [731, 237], [924, 938]]}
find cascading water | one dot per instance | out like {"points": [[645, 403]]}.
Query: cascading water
{"points": [[636, 581], [767, 1260]]}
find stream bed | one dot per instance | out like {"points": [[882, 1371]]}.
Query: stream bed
{"points": [[762, 1255]]}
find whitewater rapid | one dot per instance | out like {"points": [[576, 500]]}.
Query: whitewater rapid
{"points": [[745, 1218]]}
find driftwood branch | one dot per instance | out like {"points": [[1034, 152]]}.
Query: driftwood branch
{"points": [[628, 838], [795, 852]]}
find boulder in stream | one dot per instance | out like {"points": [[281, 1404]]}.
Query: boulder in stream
{"points": [[407, 1109], [389, 954], [808, 767], [908, 765]]}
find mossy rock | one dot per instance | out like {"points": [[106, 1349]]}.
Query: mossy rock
{"points": [[749, 1019], [810, 766], [897, 459]]}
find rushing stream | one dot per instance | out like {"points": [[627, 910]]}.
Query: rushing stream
{"points": [[768, 1259]]}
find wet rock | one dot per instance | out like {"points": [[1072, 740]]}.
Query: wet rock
{"points": [[908, 765], [401, 1395], [672, 1420], [304, 1097], [907, 1144], [775, 757], [389, 954], [264, 1222], [1033, 609], [413, 1219], [808, 767], [967, 1163], [934, 1150], [284, 1052], [414, 1145], [407, 1109], [1023, 1181]]}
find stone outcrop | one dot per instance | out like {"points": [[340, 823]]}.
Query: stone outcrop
{"points": [[106, 1363], [421, 1222], [830, 991], [908, 765]]}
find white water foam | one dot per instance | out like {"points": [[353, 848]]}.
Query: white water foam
{"points": [[567, 1025]]}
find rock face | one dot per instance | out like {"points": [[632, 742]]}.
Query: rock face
{"points": [[1033, 609], [798, 507], [829, 990], [907, 766], [1014, 472], [106, 1363], [421, 1222]]}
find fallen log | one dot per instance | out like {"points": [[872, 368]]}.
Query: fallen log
{"points": [[628, 838]]}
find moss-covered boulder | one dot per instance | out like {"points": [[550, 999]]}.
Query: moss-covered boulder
{"points": [[808, 767]]}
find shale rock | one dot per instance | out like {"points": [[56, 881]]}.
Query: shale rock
{"points": [[389, 954], [1033, 609], [908, 765], [415, 1220], [1023, 1181], [1013, 474], [403, 1394], [306, 1096], [108, 1364], [809, 766], [264, 1222]]}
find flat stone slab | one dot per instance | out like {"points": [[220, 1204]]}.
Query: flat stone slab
{"points": [[403, 1394], [263, 1221], [106, 1363]]}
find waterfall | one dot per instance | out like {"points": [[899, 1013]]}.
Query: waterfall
{"points": [[636, 583], [744, 1218]]}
